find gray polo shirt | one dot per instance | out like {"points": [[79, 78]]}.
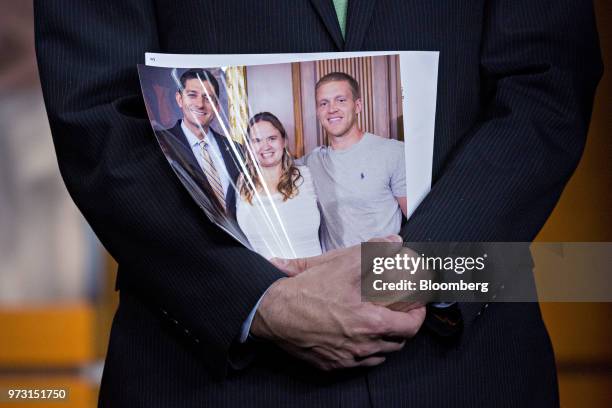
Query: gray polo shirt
{"points": [[356, 189]]}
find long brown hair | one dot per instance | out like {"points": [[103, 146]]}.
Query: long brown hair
{"points": [[290, 174]]}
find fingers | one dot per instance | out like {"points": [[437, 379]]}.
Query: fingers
{"points": [[376, 348], [371, 361], [393, 245], [293, 267], [326, 257], [389, 238], [387, 346], [350, 363], [366, 353]]}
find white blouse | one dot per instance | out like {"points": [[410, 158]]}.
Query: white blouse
{"points": [[283, 229]]}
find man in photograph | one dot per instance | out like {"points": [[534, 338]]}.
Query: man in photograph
{"points": [[360, 177], [193, 144]]}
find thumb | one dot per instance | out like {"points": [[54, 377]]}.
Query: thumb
{"points": [[389, 238], [291, 267]]}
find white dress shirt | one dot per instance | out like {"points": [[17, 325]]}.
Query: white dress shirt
{"points": [[215, 154]]}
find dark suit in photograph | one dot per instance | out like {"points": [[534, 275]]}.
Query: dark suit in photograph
{"points": [[175, 145], [514, 99]]}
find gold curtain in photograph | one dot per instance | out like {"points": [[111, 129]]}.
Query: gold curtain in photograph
{"points": [[235, 78]]}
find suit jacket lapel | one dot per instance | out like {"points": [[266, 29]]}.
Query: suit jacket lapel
{"points": [[327, 12], [180, 137], [357, 22]]}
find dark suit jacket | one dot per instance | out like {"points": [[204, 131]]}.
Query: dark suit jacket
{"points": [[516, 84], [176, 147]]}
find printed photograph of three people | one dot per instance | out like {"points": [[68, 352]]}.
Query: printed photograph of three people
{"points": [[292, 159]]}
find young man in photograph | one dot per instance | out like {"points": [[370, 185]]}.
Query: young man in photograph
{"points": [[360, 177]]}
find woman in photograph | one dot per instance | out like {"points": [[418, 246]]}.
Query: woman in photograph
{"points": [[277, 209]]}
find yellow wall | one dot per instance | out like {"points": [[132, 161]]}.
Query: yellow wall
{"points": [[582, 333]]}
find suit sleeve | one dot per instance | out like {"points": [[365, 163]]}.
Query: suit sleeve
{"points": [[540, 65], [168, 252]]}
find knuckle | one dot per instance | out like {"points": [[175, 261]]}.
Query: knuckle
{"points": [[369, 349], [352, 331], [349, 363], [364, 349], [355, 350], [378, 325], [396, 346]]}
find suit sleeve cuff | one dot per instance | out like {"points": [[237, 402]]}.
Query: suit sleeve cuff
{"points": [[246, 326]]}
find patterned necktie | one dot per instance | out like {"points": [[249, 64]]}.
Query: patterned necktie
{"points": [[341, 7], [212, 175]]}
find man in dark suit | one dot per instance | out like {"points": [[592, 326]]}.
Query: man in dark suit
{"points": [[516, 83], [193, 144]]}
